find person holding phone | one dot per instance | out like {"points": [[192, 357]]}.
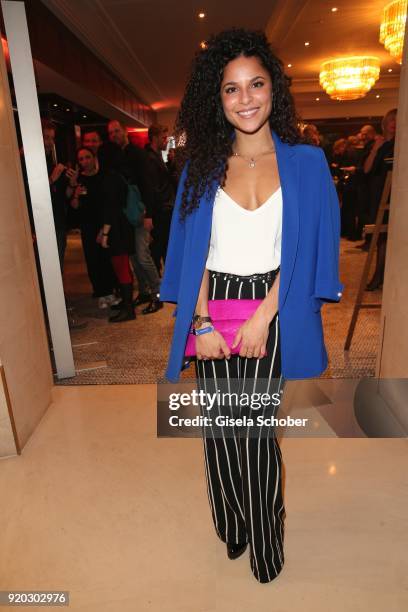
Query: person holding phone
{"points": [[86, 191], [256, 217]]}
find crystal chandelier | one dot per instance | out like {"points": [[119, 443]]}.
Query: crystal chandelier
{"points": [[392, 28], [349, 78]]}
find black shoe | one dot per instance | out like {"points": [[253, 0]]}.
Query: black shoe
{"points": [[236, 550], [142, 298], [154, 306], [126, 311], [126, 314]]}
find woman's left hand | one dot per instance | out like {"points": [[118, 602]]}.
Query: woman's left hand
{"points": [[253, 335], [72, 176]]}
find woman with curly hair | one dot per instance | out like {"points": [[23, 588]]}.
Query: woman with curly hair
{"points": [[256, 222]]}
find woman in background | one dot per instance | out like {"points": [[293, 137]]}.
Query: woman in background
{"points": [[85, 187]]}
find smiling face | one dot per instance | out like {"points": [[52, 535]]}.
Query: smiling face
{"points": [[92, 140], [86, 160], [246, 94]]}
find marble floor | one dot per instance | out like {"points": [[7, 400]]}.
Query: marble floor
{"points": [[98, 505]]}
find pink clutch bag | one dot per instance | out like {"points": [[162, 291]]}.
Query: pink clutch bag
{"points": [[227, 316]]}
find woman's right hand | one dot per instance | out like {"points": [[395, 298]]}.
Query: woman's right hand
{"points": [[212, 346], [56, 173]]}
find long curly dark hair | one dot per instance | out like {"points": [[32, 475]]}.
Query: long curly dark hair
{"points": [[201, 122]]}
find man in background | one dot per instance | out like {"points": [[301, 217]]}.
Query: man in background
{"points": [[92, 140], [132, 165], [368, 136], [162, 189]]}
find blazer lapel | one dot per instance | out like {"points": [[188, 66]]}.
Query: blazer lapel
{"points": [[288, 167]]}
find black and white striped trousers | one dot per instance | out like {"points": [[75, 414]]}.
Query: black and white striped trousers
{"points": [[244, 471]]}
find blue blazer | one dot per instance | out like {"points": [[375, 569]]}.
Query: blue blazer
{"points": [[309, 269]]}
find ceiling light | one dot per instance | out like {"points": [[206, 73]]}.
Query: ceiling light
{"points": [[317, 99], [67, 109], [307, 44], [203, 44], [334, 9], [377, 96], [55, 104], [392, 28], [289, 65], [201, 15], [349, 78], [84, 116], [389, 69]]}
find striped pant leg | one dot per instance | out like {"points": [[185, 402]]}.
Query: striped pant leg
{"points": [[222, 460], [264, 508], [262, 467]]}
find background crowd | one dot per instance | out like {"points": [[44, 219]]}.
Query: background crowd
{"points": [[98, 185], [91, 193], [359, 165]]}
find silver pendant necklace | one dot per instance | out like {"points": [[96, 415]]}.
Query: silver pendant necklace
{"points": [[252, 160]]}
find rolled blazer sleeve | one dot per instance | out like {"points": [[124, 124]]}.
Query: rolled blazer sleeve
{"points": [[169, 286], [327, 284]]}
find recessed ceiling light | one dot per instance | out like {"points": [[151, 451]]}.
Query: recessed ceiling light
{"points": [[55, 104], [203, 44], [307, 44], [289, 65], [201, 15], [67, 109], [334, 9], [84, 116], [377, 96], [317, 99], [389, 69]]}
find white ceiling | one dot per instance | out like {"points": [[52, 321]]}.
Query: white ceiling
{"points": [[150, 43], [352, 30]]}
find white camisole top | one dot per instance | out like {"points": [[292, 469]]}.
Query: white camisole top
{"points": [[245, 242]]}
